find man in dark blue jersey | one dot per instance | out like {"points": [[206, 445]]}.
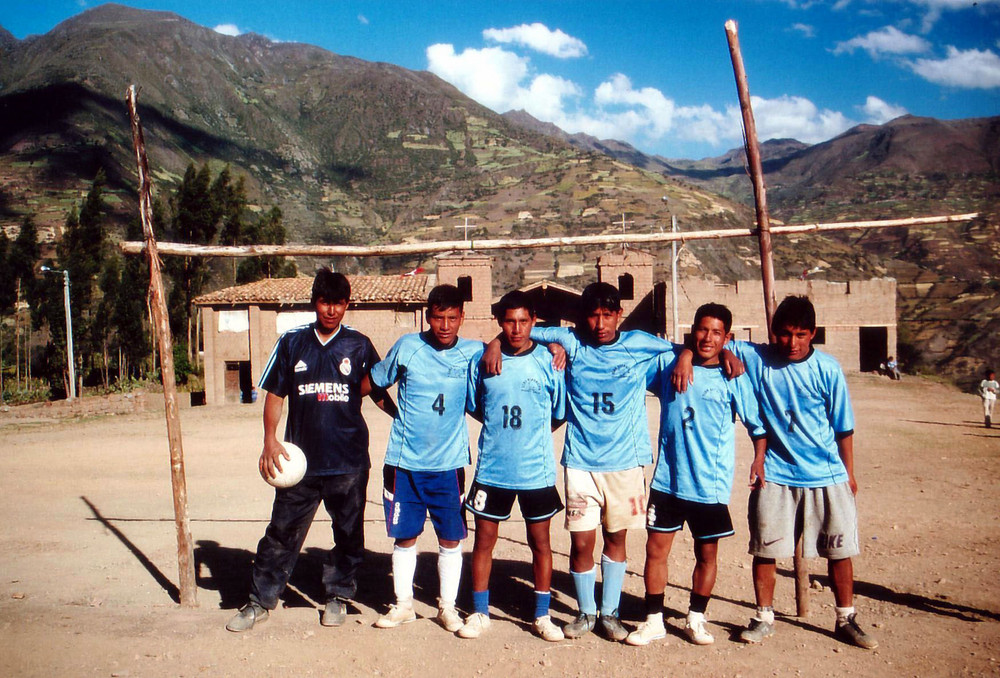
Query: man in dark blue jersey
{"points": [[322, 369]]}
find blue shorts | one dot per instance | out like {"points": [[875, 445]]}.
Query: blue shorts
{"points": [[408, 496]]}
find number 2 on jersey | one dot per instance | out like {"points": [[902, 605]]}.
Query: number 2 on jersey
{"points": [[438, 405]]}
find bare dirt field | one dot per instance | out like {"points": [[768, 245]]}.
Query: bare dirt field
{"points": [[88, 565]]}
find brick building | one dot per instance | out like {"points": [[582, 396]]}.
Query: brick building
{"points": [[857, 320], [242, 323]]}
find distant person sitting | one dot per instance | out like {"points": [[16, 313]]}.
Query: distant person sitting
{"points": [[988, 389], [892, 369]]}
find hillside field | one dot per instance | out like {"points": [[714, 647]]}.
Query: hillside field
{"points": [[88, 562]]}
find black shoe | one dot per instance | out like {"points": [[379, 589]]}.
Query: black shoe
{"points": [[611, 627], [851, 633], [580, 626], [244, 620], [335, 613]]}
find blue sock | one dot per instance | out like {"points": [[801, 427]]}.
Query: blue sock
{"points": [[481, 601], [612, 580], [584, 582], [542, 603]]}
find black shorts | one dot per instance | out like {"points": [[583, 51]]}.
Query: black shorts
{"points": [[667, 513], [495, 503]]}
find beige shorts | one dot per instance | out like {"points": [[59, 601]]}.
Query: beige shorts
{"points": [[615, 499]]}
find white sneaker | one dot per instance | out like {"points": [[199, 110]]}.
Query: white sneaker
{"points": [[695, 629], [546, 629], [396, 616], [648, 631], [475, 624], [448, 618]]}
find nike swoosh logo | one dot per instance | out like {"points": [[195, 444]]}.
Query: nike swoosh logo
{"points": [[773, 541]]}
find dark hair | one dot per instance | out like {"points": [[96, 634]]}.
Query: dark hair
{"points": [[794, 311], [512, 300], [331, 286], [989, 372], [444, 297], [600, 295], [717, 311]]}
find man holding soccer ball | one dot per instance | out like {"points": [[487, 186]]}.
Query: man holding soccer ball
{"points": [[322, 369]]}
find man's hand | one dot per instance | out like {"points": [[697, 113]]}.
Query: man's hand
{"points": [[683, 371], [731, 365], [558, 356], [757, 467], [492, 359], [757, 474], [270, 458]]}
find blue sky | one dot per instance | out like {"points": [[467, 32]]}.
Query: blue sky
{"points": [[655, 74]]}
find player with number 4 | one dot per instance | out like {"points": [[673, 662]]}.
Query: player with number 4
{"points": [[519, 410], [428, 449]]}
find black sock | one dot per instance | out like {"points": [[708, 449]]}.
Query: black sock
{"points": [[654, 603], [699, 603]]}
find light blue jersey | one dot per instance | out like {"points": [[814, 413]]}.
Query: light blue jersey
{"points": [[806, 409], [606, 417], [518, 407], [429, 433], [697, 455]]}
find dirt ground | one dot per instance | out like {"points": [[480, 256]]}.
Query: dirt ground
{"points": [[88, 565]]}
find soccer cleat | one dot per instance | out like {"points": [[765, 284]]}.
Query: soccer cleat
{"points": [[612, 627], [447, 617], [757, 631], [475, 625], [244, 620], [582, 625], [335, 613], [546, 629], [850, 632], [648, 631], [694, 629], [396, 616]]}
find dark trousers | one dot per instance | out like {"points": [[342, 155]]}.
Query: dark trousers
{"points": [[294, 508]]}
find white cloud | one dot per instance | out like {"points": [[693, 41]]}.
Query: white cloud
{"points": [[227, 29], [540, 38], [363, 20], [491, 76], [888, 40], [806, 30], [878, 111], [502, 81], [967, 69], [792, 117]]}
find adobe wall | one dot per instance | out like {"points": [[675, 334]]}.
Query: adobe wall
{"points": [[841, 308], [638, 264]]}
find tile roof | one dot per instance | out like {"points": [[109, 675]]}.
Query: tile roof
{"points": [[295, 291]]}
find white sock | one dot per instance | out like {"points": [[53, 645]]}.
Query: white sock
{"points": [[449, 574], [843, 613], [404, 565], [765, 614]]}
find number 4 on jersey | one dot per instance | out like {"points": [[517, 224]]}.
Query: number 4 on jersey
{"points": [[438, 405]]}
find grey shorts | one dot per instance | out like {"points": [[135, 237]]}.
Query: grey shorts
{"points": [[826, 517]]}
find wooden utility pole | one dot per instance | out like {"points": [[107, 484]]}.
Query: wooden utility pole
{"points": [[161, 325], [766, 258]]}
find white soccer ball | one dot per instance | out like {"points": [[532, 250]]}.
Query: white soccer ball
{"points": [[292, 470]]}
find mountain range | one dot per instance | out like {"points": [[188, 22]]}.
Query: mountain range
{"points": [[360, 152]]}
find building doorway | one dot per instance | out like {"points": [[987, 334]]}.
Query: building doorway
{"points": [[873, 346], [238, 384]]}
